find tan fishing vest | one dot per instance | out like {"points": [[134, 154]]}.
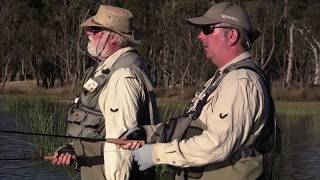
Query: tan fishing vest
{"points": [[244, 164], [86, 120]]}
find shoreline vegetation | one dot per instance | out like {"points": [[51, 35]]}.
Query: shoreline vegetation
{"points": [[44, 111], [30, 88], [38, 109]]}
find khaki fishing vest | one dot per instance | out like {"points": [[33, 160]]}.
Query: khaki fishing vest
{"points": [[86, 120], [247, 162]]}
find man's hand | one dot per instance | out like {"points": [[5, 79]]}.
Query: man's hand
{"points": [[64, 155], [143, 157], [63, 159], [132, 145], [135, 133]]}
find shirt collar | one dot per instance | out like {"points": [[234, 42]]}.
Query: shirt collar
{"points": [[108, 63], [240, 57]]}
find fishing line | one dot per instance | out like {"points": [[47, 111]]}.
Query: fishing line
{"points": [[21, 159]]}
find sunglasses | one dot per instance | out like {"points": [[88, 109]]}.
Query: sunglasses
{"points": [[95, 29], [208, 29]]}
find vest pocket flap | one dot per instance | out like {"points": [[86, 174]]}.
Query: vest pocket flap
{"points": [[93, 127], [93, 123], [76, 117], [74, 129]]}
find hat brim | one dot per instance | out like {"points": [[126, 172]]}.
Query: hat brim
{"points": [[202, 20], [91, 23]]}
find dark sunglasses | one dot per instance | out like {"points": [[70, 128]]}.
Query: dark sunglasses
{"points": [[95, 29], [208, 29]]}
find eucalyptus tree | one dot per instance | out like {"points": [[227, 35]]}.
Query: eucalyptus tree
{"points": [[168, 43]]}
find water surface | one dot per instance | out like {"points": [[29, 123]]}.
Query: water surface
{"points": [[300, 156], [17, 146]]}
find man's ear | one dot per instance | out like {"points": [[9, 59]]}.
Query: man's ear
{"points": [[233, 36]]}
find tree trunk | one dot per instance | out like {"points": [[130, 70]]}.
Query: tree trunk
{"points": [[315, 50], [265, 63], [285, 34], [290, 58], [317, 74], [23, 73], [4, 78], [317, 63]]}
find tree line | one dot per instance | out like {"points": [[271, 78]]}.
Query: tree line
{"points": [[42, 40]]}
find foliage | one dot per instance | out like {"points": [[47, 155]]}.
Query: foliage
{"points": [[42, 37]]}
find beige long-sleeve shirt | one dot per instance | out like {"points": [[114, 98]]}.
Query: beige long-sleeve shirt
{"points": [[119, 101], [229, 114]]}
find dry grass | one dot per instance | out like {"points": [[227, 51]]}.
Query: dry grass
{"points": [[296, 94], [30, 87], [279, 94]]}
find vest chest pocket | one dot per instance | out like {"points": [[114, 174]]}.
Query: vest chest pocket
{"points": [[75, 119]]}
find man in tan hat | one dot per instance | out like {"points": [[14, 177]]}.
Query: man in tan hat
{"points": [[117, 95], [230, 123]]}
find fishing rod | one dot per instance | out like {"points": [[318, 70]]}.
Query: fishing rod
{"points": [[46, 158], [116, 141], [53, 135]]}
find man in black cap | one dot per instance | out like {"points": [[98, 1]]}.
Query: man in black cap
{"points": [[234, 111]]}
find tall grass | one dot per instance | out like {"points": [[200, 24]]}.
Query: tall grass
{"points": [[300, 108], [295, 94], [45, 115], [171, 107], [301, 111], [314, 124], [40, 115]]}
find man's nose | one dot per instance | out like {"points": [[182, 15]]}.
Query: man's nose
{"points": [[201, 36], [89, 33]]}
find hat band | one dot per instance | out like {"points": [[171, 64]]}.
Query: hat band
{"points": [[97, 22], [112, 29]]}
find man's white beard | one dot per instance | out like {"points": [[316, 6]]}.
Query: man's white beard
{"points": [[92, 50]]}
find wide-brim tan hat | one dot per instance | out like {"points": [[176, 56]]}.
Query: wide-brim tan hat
{"points": [[116, 19]]}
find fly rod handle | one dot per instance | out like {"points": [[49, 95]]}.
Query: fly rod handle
{"points": [[123, 141], [48, 158]]}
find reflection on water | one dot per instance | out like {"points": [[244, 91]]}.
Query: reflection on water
{"points": [[300, 157], [13, 146]]}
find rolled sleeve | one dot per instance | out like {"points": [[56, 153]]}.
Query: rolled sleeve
{"points": [[119, 102]]}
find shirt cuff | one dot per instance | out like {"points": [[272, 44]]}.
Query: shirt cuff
{"points": [[168, 153]]}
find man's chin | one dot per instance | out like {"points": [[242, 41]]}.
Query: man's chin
{"points": [[208, 56], [92, 53]]}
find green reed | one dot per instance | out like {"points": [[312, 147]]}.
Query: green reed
{"points": [[295, 112], [45, 115], [169, 108], [314, 124], [39, 115], [298, 108]]}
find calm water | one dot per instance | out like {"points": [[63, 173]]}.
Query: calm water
{"points": [[15, 146], [300, 157]]}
